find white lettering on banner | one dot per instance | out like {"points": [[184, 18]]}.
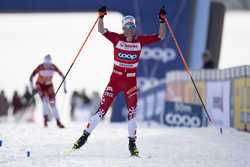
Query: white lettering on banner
{"points": [[150, 101], [160, 105], [182, 107], [146, 83], [124, 111], [140, 109], [160, 102], [151, 104], [158, 54], [185, 120], [128, 46]]}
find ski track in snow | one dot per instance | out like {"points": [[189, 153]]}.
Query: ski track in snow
{"points": [[108, 146]]}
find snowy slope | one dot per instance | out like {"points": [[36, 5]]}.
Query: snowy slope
{"points": [[107, 147]]}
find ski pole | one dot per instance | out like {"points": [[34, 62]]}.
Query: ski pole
{"points": [[78, 53], [187, 68]]}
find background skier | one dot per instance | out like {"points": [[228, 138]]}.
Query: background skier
{"points": [[45, 88]]}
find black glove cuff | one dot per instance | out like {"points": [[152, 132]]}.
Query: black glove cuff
{"points": [[162, 20]]}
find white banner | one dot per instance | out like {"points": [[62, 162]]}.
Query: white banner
{"points": [[218, 102]]}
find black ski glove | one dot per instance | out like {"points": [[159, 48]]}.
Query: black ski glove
{"points": [[162, 14], [102, 11]]}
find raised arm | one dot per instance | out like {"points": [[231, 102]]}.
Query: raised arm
{"points": [[111, 36], [162, 17], [102, 12]]}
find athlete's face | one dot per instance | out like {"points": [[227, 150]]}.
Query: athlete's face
{"points": [[129, 30]]}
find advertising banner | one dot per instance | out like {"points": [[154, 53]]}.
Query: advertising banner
{"points": [[242, 104], [152, 103], [185, 91], [179, 114], [218, 102]]}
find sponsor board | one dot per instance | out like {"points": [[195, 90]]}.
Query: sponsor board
{"points": [[218, 102], [151, 103], [241, 103], [179, 114]]}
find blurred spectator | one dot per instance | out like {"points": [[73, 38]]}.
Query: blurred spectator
{"points": [[16, 103], [85, 98], [28, 98], [208, 62], [4, 105], [83, 102], [73, 104], [29, 104]]}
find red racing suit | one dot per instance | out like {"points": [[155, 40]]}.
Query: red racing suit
{"points": [[123, 78], [44, 83]]}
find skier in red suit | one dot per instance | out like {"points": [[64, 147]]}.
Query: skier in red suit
{"points": [[127, 49], [45, 88]]}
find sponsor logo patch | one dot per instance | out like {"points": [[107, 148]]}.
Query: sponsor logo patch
{"points": [[128, 46], [125, 65], [126, 56]]}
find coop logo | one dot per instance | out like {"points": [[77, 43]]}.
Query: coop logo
{"points": [[158, 54], [126, 56], [173, 119]]}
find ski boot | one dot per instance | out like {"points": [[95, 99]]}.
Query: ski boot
{"points": [[46, 119], [59, 124], [81, 141], [132, 147]]}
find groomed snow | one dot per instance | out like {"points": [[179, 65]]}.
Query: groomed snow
{"points": [[107, 146]]}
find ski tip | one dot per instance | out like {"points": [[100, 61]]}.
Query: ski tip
{"points": [[135, 156], [68, 151], [141, 156]]}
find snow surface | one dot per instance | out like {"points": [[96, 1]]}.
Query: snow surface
{"points": [[107, 146]]}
